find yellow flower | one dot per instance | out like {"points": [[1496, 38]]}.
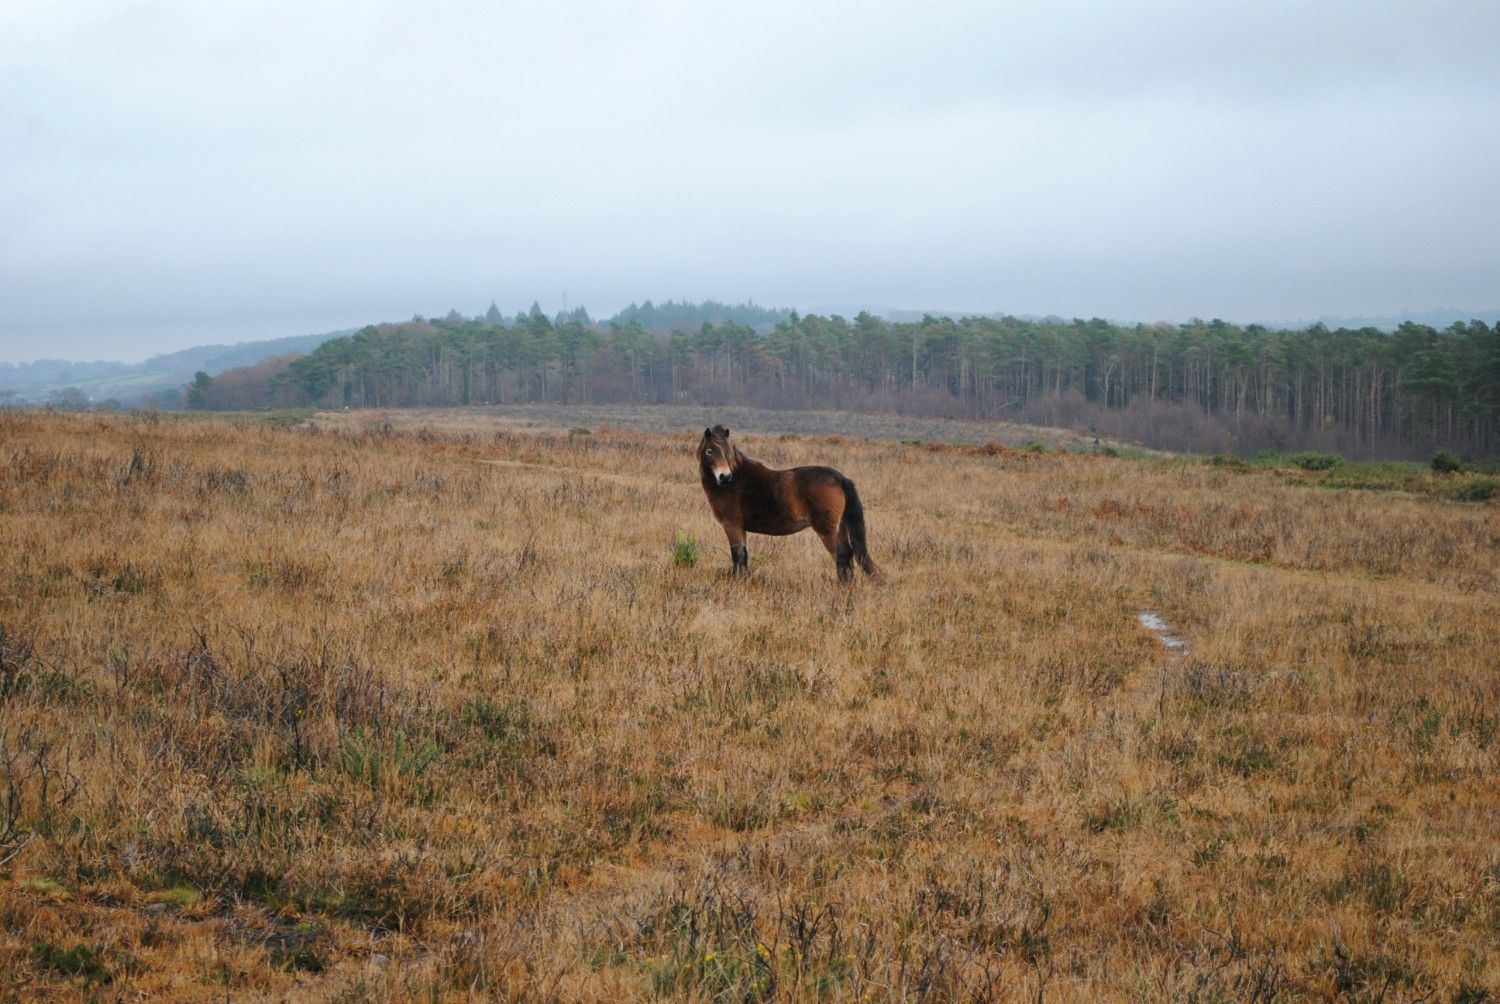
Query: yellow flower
{"points": [[709, 957], [765, 952]]}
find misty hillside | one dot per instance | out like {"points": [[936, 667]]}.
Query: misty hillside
{"points": [[1441, 318], [1390, 322], [664, 316], [100, 380]]}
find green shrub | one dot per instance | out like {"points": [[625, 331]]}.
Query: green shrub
{"points": [[1478, 490], [1032, 446], [365, 758], [510, 731], [1315, 461], [1444, 462], [83, 961], [685, 551], [1378, 475], [578, 430]]}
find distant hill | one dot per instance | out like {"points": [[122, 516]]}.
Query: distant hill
{"points": [[911, 316], [685, 315], [39, 380], [1440, 318], [1390, 322]]}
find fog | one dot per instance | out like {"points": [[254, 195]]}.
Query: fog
{"points": [[179, 173]]}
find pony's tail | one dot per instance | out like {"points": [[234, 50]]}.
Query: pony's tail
{"points": [[852, 529]]}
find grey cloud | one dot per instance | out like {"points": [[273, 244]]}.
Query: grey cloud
{"points": [[177, 173]]}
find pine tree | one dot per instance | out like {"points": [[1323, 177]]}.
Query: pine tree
{"points": [[197, 395]]}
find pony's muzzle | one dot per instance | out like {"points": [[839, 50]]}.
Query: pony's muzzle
{"points": [[724, 477]]}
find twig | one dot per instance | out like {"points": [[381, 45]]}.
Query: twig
{"points": [[16, 849]]}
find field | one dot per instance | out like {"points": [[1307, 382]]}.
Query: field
{"points": [[397, 706], [683, 419]]}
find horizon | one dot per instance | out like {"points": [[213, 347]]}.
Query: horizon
{"points": [[179, 175], [885, 312]]}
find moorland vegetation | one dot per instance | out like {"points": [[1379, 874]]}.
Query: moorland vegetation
{"points": [[372, 706]]}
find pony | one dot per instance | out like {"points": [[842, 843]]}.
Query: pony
{"points": [[747, 496]]}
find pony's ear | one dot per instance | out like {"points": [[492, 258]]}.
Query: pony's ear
{"points": [[708, 434]]}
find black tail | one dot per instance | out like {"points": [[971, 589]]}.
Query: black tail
{"points": [[852, 528]]}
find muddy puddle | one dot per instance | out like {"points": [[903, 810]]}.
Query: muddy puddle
{"points": [[1158, 626]]}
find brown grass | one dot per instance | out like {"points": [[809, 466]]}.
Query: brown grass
{"points": [[351, 712]]}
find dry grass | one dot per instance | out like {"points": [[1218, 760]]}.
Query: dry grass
{"points": [[347, 713], [677, 418]]}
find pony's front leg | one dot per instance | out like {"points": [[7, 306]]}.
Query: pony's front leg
{"points": [[738, 555]]}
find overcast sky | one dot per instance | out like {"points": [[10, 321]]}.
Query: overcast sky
{"points": [[179, 173]]}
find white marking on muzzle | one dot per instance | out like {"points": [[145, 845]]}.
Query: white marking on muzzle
{"points": [[722, 474]]}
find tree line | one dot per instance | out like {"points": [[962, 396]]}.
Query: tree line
{"points": [[1203, 385]]}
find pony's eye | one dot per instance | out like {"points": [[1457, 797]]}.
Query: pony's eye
{"points": [[708, 453]]}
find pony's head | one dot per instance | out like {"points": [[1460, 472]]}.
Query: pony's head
{"points": [[717, 456]]}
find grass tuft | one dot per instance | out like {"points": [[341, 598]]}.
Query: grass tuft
{"points": [[685, 551]]}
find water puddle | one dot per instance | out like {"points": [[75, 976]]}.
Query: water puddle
{"points": [[1154, 623]]}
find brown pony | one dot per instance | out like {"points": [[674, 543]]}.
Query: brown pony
{"points": [[746, 495]]}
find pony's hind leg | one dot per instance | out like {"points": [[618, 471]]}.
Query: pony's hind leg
{"points": [[843, 554]]}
